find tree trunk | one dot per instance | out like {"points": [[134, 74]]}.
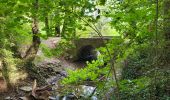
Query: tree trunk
{"points": [[167, 29], [57, 31], [33, 49], [63, 32], [167, 40], [47, 25]]}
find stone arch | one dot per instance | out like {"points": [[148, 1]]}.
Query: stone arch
{"points": [[87, 53]]}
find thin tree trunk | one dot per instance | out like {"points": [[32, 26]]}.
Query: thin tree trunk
{"points": [[47, 25], [57, 31], [167, 39], [63, 32], [167, 29], [167, 19], [33, 49]]}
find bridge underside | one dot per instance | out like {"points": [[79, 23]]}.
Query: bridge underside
{"points": [[87, 53], [85, 48]]}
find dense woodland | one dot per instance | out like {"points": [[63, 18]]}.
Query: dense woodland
{"points": [[133, 65]]}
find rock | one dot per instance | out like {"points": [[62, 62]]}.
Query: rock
{"points": [[109, 93], [62, 73], [53, 79], [94, 98], [8, 98], [54, 98], [70, 96], [87, 90], [26, 88], [23, 98]]}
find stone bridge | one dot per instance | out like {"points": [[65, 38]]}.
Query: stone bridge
{"points": [[85, 46]]}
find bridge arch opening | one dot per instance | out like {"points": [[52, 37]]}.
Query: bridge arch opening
{"points": [[87, 53]]}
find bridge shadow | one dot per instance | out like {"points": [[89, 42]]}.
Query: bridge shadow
{"points": [[86, 53]]}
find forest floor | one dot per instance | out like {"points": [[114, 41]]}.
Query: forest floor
{"points": [[50, 69], [47, 72]]}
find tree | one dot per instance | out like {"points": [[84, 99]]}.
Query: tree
{"points": [[167, 29], [33, 49]]}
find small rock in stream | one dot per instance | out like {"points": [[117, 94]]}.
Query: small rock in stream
{"points": [[94, 98], [26, 88], [87, 90], [8, 98], [54, 98], [62, 73]]}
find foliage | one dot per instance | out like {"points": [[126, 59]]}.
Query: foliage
{"points": [[63, 47], [59, 50], [138, 61], [46, 50], [11, 67], [92, 72], [135, 23], [133, 88], [139, 49]]}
